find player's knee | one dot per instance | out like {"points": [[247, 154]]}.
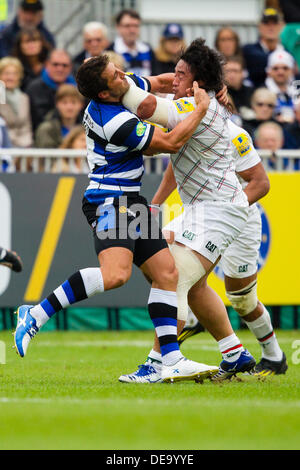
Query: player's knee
{"points": [[245, 300], [190, 270], [197, 291], [117, 278], [169, 275]]}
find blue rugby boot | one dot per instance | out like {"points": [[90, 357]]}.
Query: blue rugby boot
{"points": [[145, 374], [26, 329], [244, 363]]}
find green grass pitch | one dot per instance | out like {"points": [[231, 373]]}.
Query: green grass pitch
{"points": [[65, 395]]}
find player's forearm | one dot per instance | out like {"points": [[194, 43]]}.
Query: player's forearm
{"points": [[162, 83], [166, 187], [258, 182], [256, 190], [174, 140], [147, 106]]}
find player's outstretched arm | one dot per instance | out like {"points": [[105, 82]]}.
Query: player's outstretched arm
{"points": [[182, 132], [162, 83], [166, 187], [258, 182], [149, 107]]}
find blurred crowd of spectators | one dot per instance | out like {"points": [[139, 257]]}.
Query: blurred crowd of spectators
{"points": [[44, 109]]}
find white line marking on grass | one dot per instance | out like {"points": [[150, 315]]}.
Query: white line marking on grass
{"points": [[149, 402], [95, 344], [116, 344], [193, 344]]}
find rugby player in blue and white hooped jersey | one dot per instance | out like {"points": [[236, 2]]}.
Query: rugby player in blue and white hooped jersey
{"points": [[116, 140]]}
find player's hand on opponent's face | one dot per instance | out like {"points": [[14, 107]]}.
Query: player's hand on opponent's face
{"points": [[201, 97], [222, 96]]}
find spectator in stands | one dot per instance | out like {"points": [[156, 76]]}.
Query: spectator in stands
{"points": [[6, 163], [59, 121], [42, 90], [234, 115], [139, 57], [76, 139], [16, 110], [270, 136], [290, 35], [293, 130], [32, 50], [227, 42], [116, 59], [280, 71], [95, 41], [170, 46], [29, 16], [234, 76], [256, 55], [263, 102]]}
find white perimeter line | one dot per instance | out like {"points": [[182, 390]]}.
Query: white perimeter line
{"points": [[195, 343], [141, 401]]}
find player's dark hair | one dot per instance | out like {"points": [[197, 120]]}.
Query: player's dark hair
{"points": [[205, 64], [132, 13], [89, 80]]}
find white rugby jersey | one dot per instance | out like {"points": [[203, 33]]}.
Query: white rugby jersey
{"points": [[204, 167], [244, 152]]}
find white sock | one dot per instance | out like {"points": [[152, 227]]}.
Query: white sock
{"points": [[81, 285], [230, 348], [154, 358], [2, 253], [263, 330]]}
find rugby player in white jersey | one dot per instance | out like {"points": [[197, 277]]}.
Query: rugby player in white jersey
{"points": [[116, 141], [216, 207], [239, 261]]}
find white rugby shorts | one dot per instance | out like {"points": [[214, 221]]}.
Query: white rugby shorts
{"points": [[241, 257], [209, 227]]}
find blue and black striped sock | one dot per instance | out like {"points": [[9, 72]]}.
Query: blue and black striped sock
{"points": [[162, 306], [79, 286]]}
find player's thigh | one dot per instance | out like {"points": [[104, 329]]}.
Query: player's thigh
{"points": [[161, 269], [113, 245], [116, 266], [240, 259], [235, 284], [208, 228]]}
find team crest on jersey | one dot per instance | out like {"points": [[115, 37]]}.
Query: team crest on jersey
{"points": [[263, 249], [242, 144], [184, 106], [140, 129]]}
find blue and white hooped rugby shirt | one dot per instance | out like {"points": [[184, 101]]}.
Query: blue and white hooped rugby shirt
{"points": [[116, 139]]}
